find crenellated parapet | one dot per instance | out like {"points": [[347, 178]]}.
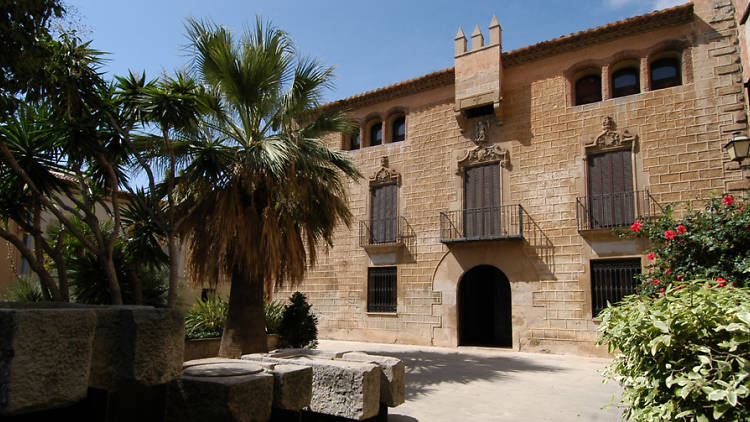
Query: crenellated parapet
{"points": [[478, 75]]}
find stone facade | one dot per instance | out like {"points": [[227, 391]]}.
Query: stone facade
{"points": [[541, 141]]}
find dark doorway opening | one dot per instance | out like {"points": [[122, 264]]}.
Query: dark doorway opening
{"points": [[484, 309]]}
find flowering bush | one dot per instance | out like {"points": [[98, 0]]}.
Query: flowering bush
{"points": [[709, 243], [684, 355], [683, 344]]}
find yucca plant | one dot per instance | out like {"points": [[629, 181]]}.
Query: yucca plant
{"points": [[26, 289], [206, 318], [274, 311]]}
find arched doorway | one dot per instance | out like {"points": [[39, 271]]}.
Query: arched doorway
{"points": [[484, 309]]}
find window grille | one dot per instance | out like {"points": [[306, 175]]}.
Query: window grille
{"points": [[611, 280], [381, 289]]}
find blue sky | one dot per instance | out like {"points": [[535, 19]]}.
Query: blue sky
{"points": [[370, 43]]}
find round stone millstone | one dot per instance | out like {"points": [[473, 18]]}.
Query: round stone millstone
{"points": [[223, 369]]}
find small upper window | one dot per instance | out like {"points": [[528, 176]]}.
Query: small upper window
{"points": [[354, 142], [376, 134], [588, 89], [399, 129], [665, 73], [625, 82]]}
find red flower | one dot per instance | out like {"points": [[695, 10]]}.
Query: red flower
{"points": [[734, 284], [662, 291], [670, 234], [722, 284], [681, 229], [651, 256], [728, 200], [680, 277], [667, 271], [720, 279], [636, 227], [656, 281]]}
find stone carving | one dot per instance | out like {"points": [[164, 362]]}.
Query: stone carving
{"points": [[385, 175], [481, 127], [610, 138], [484, 154]]}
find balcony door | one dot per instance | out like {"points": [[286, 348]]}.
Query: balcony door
{"points": [[384, 214], [482, 201], [611, 196]]}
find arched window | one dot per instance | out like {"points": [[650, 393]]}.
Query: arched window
{"points": [[588, 89], [354, 142], [376, 133], [665, 73], [625, 82], [398, 129]]}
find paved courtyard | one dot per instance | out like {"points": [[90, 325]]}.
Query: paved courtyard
{"points": [[483, 384]]}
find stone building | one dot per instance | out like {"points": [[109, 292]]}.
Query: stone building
{"points": [[491, 187]]}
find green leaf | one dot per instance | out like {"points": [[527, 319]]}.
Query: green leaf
{"points": [[658, 341], [717, 395], [661, 326], [732, 398], [744, 316], [735, 327], [720, 409]]}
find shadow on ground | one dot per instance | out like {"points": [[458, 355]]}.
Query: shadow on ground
{"points": [[425, 369]]}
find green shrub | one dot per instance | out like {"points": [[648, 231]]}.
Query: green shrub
{"points": [[684, 355], [274, 311], [298, 327], [206, 318], [26, 289]]}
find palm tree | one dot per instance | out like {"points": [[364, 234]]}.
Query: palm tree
{"points": [[261, 191]]}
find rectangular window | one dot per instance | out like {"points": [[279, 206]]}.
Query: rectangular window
{"points": [[381, 289], [611, 280], [482, 201], [611, 196], [384, 214]]}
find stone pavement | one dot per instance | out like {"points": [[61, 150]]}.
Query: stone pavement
{"points": [[485, 384]]}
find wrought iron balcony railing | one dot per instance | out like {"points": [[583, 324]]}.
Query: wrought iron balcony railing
{"points": [[490, 223], [614, 209], [385, 231]]}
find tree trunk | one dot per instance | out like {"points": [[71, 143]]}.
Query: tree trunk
{"points": [[244, 330], [171, 229]]}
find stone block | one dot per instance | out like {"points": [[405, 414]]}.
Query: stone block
{"points": [[44, 357], [230, 390], [301, 353], [137, 344], [339, 388], [392, 376], [292, 388]]}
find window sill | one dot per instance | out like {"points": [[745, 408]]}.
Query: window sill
{"points": [[386, 314]]}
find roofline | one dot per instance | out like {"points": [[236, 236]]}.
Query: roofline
{"points": [[571, 42]]}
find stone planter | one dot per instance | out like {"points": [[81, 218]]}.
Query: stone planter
{"points": [[201, 348], [272, 341]]}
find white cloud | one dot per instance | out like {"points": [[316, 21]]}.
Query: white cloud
{"points": [[654, 4], [663, 4]]}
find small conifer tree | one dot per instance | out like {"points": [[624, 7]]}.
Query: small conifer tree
{"points": [[298, 326]]}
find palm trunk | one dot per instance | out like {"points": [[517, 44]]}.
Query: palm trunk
{"points": [[244, 330]]}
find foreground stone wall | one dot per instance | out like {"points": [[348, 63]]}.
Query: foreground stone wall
{"points": [[678, 156]]}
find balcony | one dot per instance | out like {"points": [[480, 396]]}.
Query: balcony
{"points": [[477, 224], [385, 234], [612, 210]]}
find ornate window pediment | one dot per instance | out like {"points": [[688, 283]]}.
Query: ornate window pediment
{"points": [[385, 175], [483, 154], [610, 138]]}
